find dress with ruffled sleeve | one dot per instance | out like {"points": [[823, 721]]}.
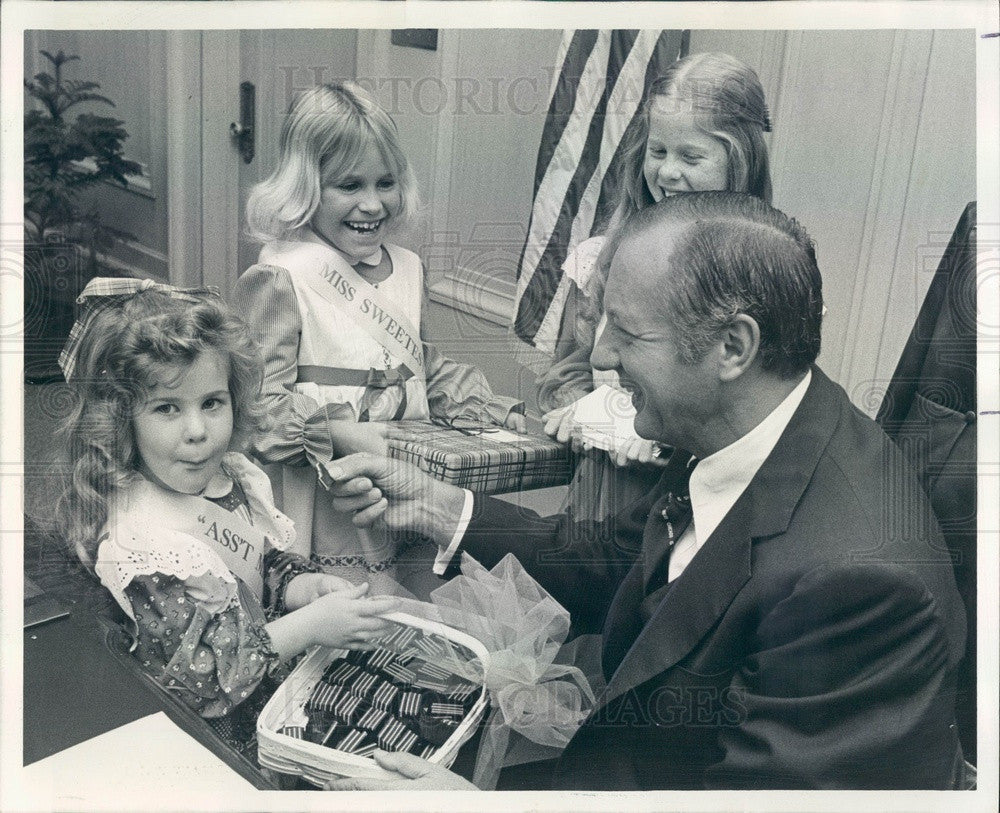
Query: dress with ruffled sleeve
{"points": [[299, 330]]}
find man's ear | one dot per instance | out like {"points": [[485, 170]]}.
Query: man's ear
{"points": [[740, 341]]}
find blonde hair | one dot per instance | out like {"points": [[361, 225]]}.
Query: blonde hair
{"points": [[325, 134], [728, 102], [125, 351]]}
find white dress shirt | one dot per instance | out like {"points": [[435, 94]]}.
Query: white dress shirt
{"points": [[716, 484], [718, 481]]}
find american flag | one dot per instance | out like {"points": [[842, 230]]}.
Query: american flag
{"points": [[601, 78]]}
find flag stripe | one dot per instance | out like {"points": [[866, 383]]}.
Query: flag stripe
{"points": [[595, 101], [624, 103], [668, 48], [535, 305], [558, 175], [563, 98]]}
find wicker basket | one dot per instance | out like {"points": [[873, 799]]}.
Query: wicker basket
{"points": [[317, 763]]}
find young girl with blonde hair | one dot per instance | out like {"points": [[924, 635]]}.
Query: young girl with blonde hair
{"points": [[337, 309]]}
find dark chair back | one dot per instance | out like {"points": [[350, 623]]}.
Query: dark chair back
{"points": [[930, 411]]}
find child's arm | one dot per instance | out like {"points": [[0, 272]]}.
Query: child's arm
{"points": [[570, 377], [342, 619], [197, 642], [292, 581], [212, 651], [301, 428]]}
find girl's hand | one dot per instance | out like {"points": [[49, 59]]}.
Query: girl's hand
{"points": [[307, 587], [516, 422], [346, 618], [560, 425]]}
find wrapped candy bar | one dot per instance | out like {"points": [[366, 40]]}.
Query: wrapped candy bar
{"points": [[399, 638], [338, 700], [454, 710], [333, 730], [394, 736], [399, 673], [452, 703], [436, 730], [384, 696], [340, 672], [295, 725], [363, 684], [372, 719], [357, 742], [410, 704], [379, 659], [318, 725]]}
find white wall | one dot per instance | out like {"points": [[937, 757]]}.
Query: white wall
{"points": [[873, 150]]}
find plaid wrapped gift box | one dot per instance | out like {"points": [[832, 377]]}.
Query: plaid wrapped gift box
{"points": [[478, 462]]}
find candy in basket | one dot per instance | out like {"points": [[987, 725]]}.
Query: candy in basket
{"points": [[337, 707]]}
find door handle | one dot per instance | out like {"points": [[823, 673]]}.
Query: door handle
{"points": [[244, 131]]}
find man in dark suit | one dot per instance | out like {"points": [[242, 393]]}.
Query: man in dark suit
{"points": [[803, 629]]}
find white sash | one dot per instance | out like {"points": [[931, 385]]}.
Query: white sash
{"points": [[240, 545], [331, 277]]}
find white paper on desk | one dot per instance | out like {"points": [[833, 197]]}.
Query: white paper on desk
{"points": [[150, 756], [606, 419]]}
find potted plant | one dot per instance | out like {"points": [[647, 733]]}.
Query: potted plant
{"points": [[63, 157]]}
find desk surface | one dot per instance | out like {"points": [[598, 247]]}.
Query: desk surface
{"points": [[76, 687]]}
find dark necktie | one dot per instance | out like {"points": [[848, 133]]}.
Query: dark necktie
{"points": [[669, 518]]}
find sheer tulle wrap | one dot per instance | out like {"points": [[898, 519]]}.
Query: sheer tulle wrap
{"points": [[538, 697]]}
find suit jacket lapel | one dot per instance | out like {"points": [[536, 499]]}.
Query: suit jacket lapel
{"points": [[689, 609], [721, 568]]}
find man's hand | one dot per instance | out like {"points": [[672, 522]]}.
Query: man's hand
{"points": [[350, 437], [410, 773], [401, 495]]}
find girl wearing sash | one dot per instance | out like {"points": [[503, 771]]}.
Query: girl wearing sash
{"points": [[337, 310], [702, 129], [178, 525]]}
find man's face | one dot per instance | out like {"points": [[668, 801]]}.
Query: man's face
{"points": [[674, 400]]}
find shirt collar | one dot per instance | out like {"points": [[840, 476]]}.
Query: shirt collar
{"points": [[719, 480]]}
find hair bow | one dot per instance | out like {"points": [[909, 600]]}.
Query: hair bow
{"points": [[102, 293]]}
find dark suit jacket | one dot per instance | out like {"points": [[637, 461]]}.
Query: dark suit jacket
{"points": [[812, 642]]}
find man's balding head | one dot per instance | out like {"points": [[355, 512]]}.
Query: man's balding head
{"points": [[733, 254]]}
